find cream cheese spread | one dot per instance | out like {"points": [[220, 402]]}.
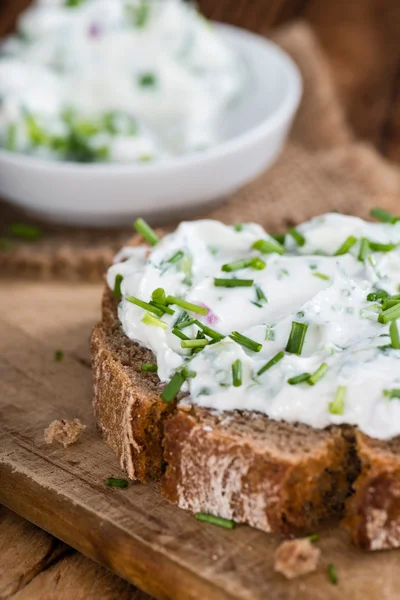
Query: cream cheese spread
{"points": [[316, 318], [114, 80]]}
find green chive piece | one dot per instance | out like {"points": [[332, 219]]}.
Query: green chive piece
{"points": [[117, 286], [200, 310], [337, 406], [180, 334], [238, 226], [394, 335], [185, 323], [268, 247], [270, 333], [150, 319], [364, 249], [377, 247], [299, 378], [319, 373], [145, 305], [173, 387], [314, 537], [159, 296], [245, 341], [198, 343], [175, 258], [58, 355], [28, 233], [146, 232], [261, 297], [181, 321], [321, 276], [271, 363], [237, 373], [147, 79], [296, 338], [389, 302], [187, 264], [115, 482], [297, 236], [279, 237], [231, 283], [214, 335], [394, 393], [188, 374], [215, 520], [384, 216], [149, 368], [332, 574], [162, 307], [378, 295], [390, 314], [244, 263], [346, 246]]}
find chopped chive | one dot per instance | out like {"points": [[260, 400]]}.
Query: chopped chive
{"points": [[215, 520], [29, 233], [181, 321], [364, 249], [176, 257], [378, 295], [271, 363], [321, 276], [245, 341], [150, 319], [377, 247], [185, 324], [384, 216], [198, 343], [314, 537], [200, 335], [214, 335], [319, 373], [147, 79], [162, 307], [187, 264], [299, 378], [394, 393], [230, 283], [58, 355], [244, 263], [238, 226], [117, 286], [279, 237], [261, 297], [296, 338], [270, 333], [390, 314], [346, 246], [180, 334], [159, 296], [187, 373], [268, 246], [337, 406], [389, 302], [237, 373], [297, 236], [146, 232], [201, 310], [145, 305], [115, 482], [332, 574], [149, 368], [173, 387], [394, 335]]}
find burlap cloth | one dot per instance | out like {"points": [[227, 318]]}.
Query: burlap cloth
{"points": [[323, 167]]}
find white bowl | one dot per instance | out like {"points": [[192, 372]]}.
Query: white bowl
{"points": [[253, 132]]}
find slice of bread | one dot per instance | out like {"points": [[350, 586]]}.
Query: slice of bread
{"points": [[243, 466]]}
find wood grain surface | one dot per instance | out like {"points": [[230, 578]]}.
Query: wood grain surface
{"points": [[134, 532]]}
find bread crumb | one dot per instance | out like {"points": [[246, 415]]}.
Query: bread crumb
{"points": [[296, 557], [63, 431]]}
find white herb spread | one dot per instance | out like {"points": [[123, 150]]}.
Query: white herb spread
{"points": [[355, 357], [117, 80]]}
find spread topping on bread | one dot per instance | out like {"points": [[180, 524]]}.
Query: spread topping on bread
{"points": [[301, 329]]}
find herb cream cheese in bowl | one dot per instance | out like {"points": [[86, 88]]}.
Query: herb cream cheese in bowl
{"points": [[113, 108]]}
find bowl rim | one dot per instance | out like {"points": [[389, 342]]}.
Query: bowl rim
{"points": [[222, 150]]}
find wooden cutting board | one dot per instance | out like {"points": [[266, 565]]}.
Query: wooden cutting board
{"points": [[134, 532]]}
